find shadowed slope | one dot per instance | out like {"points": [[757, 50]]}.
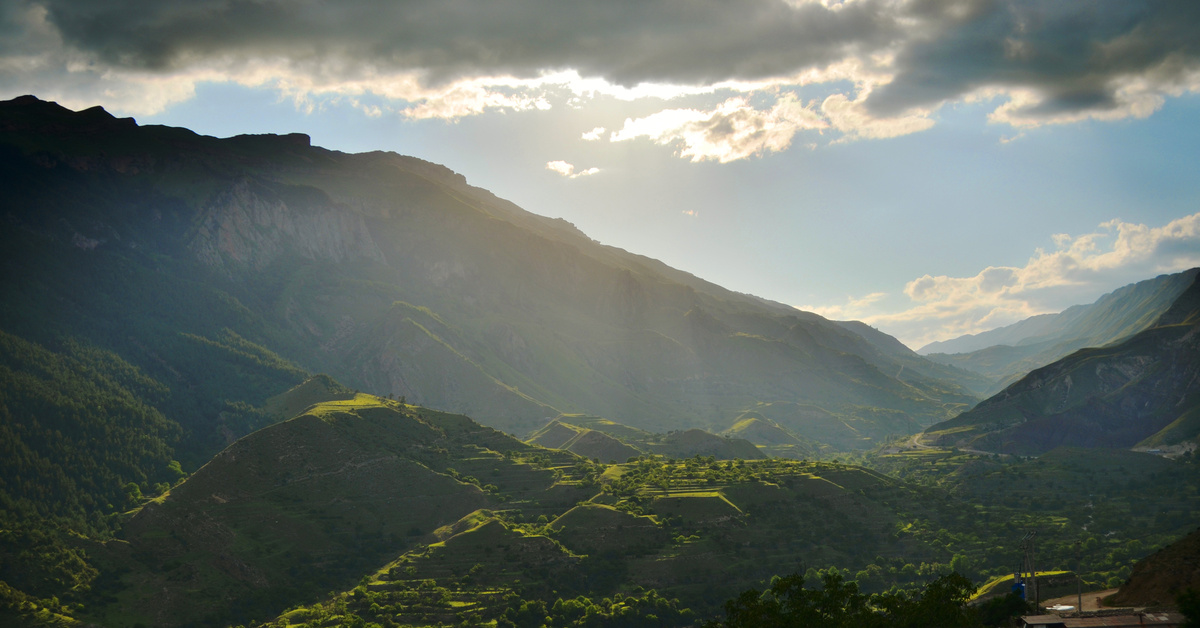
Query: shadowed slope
{"points": [[1115, 396], [309, 504]]}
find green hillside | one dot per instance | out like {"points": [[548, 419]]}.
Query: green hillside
{"points": [[310, 504], [771, 438], [422, 517], [607, 441]]}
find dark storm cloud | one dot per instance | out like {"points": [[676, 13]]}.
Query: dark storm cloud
{"points": [[1073, 54], [626, 42]]}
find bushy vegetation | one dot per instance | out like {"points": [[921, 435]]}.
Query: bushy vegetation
{"points": [[428, 605], [1093, 513], [79, 437], [839, 604]]}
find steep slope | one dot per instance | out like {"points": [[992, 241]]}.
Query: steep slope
{"points": [[395, 276], [74, 436], [772, 439], [607, 441], [1007, 353], [310, 504], [887, 350], [1157, 579], [599, 446], [1144, 388]]}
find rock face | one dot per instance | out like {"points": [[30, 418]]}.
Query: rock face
{"points": [[241, 229], [1143, 390]]}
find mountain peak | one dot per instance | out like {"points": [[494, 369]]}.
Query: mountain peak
{"points": [[31, 113]]}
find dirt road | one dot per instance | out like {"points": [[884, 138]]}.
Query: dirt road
{"points": [[1091, 600]]}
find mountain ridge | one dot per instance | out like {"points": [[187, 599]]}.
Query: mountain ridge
{"points": [[1009, 352], [1143, 389], [396, 276]]}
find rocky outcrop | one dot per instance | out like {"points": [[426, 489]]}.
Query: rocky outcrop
{"points": [[249, 227]]}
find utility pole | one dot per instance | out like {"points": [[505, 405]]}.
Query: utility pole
{"points": [[1037, 593], [1029, 567], [1078, 578]]}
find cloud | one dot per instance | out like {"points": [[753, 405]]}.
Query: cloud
{"points": [[855, 122], [568, 170], [628, 44], [594, 134], [888, 65], [1047, 62], [853, 308], [1078, 270], [734, 130]]}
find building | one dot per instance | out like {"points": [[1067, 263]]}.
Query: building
{"points": [[1124, 620]]}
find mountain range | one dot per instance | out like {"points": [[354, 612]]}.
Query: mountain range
{"points": [[1141, 391], [396, 277], [1007, 353]]}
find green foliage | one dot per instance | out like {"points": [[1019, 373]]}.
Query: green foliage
{"points": [[19, 609], [45, 562], [78, 436], [998, 611], [619, 611], [1094, 513], [839, 604], [1189, 605]]}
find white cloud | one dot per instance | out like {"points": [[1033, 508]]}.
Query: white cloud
{"points": [[594, 134], [852, 119], [469, 98], [853, 308], [568, 170], [734, 130], [1077, 271]]}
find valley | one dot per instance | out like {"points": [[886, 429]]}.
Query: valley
{"points": [[251, 381]]}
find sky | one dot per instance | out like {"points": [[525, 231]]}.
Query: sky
{"points": [[931, 167]]}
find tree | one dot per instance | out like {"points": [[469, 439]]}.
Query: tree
{"points": [[942, 603], [1189, 605], [839, 604]]}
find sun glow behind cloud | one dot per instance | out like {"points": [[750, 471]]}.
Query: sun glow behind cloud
{"points": [[734, 130], [888, 64], [568, 170], [943, 307]]}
